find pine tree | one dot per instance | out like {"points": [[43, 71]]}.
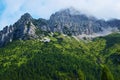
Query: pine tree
{"points": [[81, 76], [106, 74]]}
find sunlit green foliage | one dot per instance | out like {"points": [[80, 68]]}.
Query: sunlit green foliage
{"points": [[106, 74], [63, 58]]}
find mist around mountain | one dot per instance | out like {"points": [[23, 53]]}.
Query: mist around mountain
{"points": [[68, 21], [69, 46]]}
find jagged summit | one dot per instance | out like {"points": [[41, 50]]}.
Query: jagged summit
{"points": [[25, 18], [67, 21], [71, 11], [75, 23], [22, 29], [71, 14]]}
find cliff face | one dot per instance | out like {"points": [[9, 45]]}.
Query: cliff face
{"points": [[22, 29], [67, 21], [73, 22], [6, 35], [25, 28]]}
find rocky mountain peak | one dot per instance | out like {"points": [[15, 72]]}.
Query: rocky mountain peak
{"points": [[73, 22], [25, 18], [70, 15], [65, 13], [22, 29], [67, 21], [71, 11]]}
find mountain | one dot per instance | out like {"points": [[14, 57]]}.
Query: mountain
{"points": [[58, 48], [67, 21], [22, 29], [70, 21]]}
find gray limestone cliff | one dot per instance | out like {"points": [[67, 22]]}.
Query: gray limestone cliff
{"points": [[72, 22], [22, 29], [68, 21]]}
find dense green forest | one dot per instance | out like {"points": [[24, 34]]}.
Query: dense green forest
{"points": [[63, 58]]}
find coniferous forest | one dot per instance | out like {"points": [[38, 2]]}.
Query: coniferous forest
{"points": [[63, 58]]}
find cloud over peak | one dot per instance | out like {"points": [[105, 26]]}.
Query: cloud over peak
{"points": [[12, 10]]}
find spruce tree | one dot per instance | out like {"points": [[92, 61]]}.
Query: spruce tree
{"points": [[106, 74]]}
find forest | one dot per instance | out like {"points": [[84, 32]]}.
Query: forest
{"points": [[63, 58]]}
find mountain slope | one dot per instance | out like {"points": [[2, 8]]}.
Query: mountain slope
{"points": [[68, 21], [62, 58], [25, 28]]}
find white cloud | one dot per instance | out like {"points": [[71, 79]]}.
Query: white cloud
{"points": [[44, 8]]}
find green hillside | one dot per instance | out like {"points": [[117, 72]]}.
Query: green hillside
{"points": [[63, 58]]}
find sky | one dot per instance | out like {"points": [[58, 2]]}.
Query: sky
{"points": [[11, 10]]}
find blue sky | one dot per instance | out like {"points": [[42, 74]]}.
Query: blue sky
{"points": [[11, 10], [2, 6]]}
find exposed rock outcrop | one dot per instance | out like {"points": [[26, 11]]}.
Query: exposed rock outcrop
{"points": [[68, 21], [22, 29]]}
